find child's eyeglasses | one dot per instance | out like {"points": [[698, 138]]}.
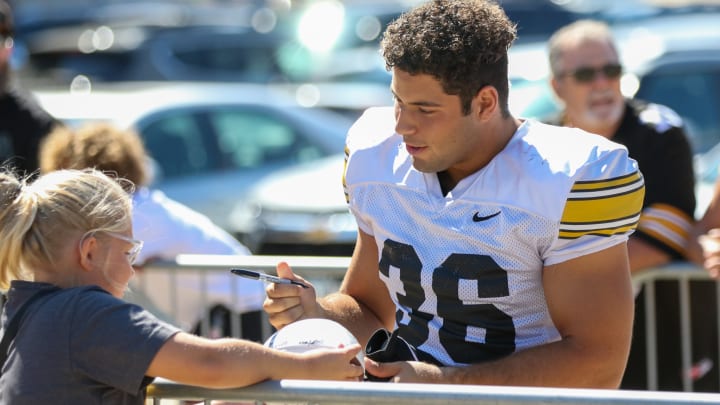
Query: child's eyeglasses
{"points": [[134, 251]]}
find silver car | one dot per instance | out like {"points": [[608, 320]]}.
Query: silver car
{"points": [[210, 141], [300, 210]]}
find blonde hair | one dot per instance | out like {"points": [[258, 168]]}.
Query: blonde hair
{"points": [[577, 32], [96, 145], [38, 219]]}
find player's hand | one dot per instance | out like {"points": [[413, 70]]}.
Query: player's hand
{"points": [[287, 303], [710, 243], [406, 371]]}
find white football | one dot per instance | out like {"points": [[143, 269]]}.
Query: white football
{"points": [[312, 334]]}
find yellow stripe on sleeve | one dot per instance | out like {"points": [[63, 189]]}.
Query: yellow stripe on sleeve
{"points": [[604, 207], [667, 224], [344, 173]]}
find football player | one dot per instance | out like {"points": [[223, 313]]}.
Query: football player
{"points": [[494, 247]]}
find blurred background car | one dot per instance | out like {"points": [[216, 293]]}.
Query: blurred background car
{"points": [[54, 41], [209, 141], [249, 41], [314, 221]]}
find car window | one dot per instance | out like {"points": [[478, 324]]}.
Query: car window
{"points": [[255, 64], [693, 95], [249, 139], [176, 143]]}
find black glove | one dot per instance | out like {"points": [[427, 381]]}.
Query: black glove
{"points": [[385, 347]]}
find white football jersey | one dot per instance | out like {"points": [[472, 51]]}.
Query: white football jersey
{"points": [[465, 269]]}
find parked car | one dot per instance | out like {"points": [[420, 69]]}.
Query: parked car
{"points": [[210, 141], [300, 210], [249, 41]]}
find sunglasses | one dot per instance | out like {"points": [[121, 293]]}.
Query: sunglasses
{"points": [[134, 251], [587, 74]]}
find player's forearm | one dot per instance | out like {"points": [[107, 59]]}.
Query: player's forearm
{"points": [[560, 364], [357, 318]]}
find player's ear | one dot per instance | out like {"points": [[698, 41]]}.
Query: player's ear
{"points": [[485, 103]]}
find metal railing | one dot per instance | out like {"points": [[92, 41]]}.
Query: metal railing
{"points": [[376, 393], [683, 274], [326, 273]]}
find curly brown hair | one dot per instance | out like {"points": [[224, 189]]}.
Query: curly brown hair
{"points": [[462, 43], [117, 152]]}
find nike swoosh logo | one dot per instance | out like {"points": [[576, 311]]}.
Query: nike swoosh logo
{"points": [[477, 218]]}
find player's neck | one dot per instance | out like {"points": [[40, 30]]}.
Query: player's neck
{"points": [[497, 137]]}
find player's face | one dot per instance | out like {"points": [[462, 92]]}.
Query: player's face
{"points": [[437, 135], [593, 103]]}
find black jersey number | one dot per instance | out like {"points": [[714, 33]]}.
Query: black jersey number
{"points": [[483, 273]]}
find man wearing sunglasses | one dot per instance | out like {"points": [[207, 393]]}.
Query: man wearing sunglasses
{"points": [[585, 76], [23, 123]]}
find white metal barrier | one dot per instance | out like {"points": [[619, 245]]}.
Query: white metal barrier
{"points": [[375, 393], [682, 275], [326, 273]]}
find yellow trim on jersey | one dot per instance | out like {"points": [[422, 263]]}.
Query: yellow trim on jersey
{"points": [[344, 172], [667, 224], [603, 207], [608, 183]]}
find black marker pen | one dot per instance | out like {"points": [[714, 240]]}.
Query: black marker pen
{"points": [[256, 275]]}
